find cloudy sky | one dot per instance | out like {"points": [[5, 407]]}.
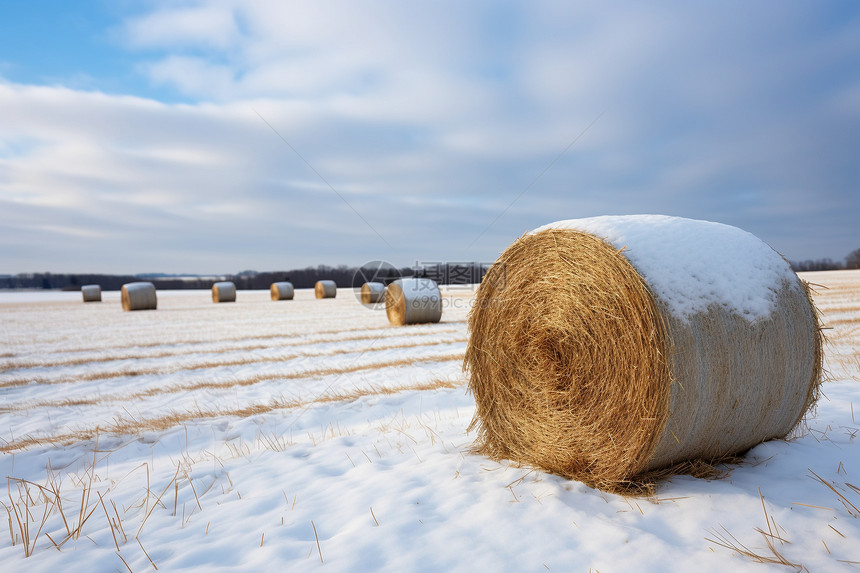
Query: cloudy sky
{"points": [[216, 136]]}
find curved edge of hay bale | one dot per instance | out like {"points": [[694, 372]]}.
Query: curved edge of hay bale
{"points": [[325, 289], [413, 300], [91, 293], [139, 296], [224, 291], [282, 291], [372, 292], [567, 321]]}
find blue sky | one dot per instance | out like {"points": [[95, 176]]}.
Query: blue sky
{"points": [[135, 136]]}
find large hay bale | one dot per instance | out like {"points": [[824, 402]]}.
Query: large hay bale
{"points": [[372, 292], [614, 350], [224, 291], [282, 291], [325, 289], [91, 293], [139, 296], [413, 301]]}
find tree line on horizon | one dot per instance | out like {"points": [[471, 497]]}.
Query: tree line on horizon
{"points": [[852, 261], [343, 275]]}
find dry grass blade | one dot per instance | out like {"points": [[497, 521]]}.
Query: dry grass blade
{"points": [[318, 541], [23, 516], [850, 507], [124, 562], [158, 500], [812, 506], [110, 524], [194, 491], [119, 522], [729, 541], [147, 554]]}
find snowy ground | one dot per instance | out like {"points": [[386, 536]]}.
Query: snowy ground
{"points": [[310, 435]]}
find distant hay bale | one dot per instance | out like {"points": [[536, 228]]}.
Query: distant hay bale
{"points": [[413, 301], [224, 291], [282, 291], [91, 293], [325, 289], [372, 292], [139, 296], [616, 350]]}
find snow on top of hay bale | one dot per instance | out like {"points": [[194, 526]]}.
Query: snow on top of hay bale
{"points": [[684, 261]]}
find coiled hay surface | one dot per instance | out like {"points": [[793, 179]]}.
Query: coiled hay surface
{"points": [[578, 368]]}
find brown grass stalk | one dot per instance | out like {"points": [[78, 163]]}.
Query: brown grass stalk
{"points": [[318, 541], [852, 509], [147, 554], [157, 501], [110, 524]]}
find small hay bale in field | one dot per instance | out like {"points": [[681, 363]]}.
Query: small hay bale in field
{"points": [[413, 301], [139, 296], [616, 350], [224, 291], [325, 289], [91, 293], [372, 292], [282, 291]]}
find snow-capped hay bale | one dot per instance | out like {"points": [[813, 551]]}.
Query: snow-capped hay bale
{"points": [[224, 291], [325, 289], [372, 292], [282, 291], [139, 296], [91, 293], [413, 301], [614, 350]]}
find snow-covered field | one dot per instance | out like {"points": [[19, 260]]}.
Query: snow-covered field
{"points": [[310, 435]]}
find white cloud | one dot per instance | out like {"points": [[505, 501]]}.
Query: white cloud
{"points": [[434, 117], [179, 26]]}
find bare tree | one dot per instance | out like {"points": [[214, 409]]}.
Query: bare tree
{"points": [[852, 261]]}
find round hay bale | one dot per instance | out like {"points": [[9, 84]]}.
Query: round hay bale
{"points": [[282, 291], [139, 296], [91, 293], [224, 291], [413, 301], [615, 350], [325, 289], [372, 292]]}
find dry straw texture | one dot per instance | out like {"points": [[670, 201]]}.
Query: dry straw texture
{"points": [[577, 368], [325, 289], [413, 301], [139, 296], [282, 291], [224, 291], [372, 292], [91, 293]]}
